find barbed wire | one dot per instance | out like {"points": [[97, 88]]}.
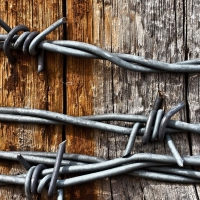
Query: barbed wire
{"points": [[151, 166], [155, 126], [34, 43]]}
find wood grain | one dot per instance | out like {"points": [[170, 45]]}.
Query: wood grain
{"points": [[22, 86], [193, 79], [153, 30], [161, 30], [79, 84]]}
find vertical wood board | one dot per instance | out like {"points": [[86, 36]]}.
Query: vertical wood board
{"points": [[22, 86], [79, 84], [154, 30], [160, 30], [193, 79]]}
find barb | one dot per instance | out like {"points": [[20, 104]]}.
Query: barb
{"points": [[151, 166], [131, 139], [150, 131], [89, 121], [167, 116], [157, 124], [149, 124], [151, 118], [174, 151], [33, 42], [60, 194], [23, 162], [54, 177]]}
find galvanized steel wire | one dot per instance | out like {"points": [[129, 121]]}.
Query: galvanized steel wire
{"points": [[34, 43], [156, 126], [95, 168], [151, 166]]}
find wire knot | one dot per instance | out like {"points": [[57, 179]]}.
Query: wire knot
{"points": [[28, 41], [32, 183]]}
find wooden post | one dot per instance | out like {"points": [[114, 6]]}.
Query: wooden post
{"points": [[22, 86], [192, 44], [79, 82], [163, 30], [154, 30]]}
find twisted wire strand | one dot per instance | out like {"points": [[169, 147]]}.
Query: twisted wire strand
{"points": [[151, 166], [157, 125], [104, 117], [147, 162], [94, 124], [66, 156], [147, 134], [161, 124], [33, 42], [178, 126], [34, 158], [86, 167]]}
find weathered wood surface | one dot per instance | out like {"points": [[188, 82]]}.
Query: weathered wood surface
{"points": [[162, 30], [79, 84], [193, 51], [155, 30], [22, 86]]}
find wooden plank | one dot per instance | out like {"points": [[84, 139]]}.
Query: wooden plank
{"points": [[22, 86], [155, 30], [151, 29], [193, 79], [79, 90]]}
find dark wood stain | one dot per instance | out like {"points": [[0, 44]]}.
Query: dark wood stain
{"points": [[164, 30], [79, 91]]}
